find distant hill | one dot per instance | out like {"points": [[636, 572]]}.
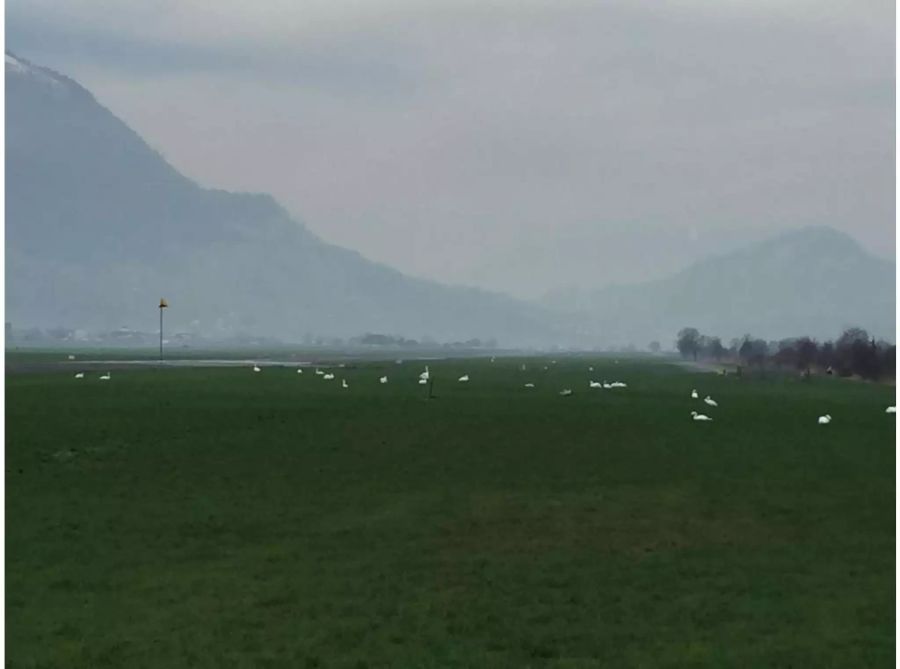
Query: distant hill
{"points": [[813, 281], [99, 226]]}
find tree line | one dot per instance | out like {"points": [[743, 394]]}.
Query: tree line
{"points": [[854, 353]]}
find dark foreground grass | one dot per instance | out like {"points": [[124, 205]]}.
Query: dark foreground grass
{"points": [[220, 518]]}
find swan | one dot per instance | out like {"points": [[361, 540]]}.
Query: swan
{"points": [[71, 357], [422, 382], [383, 379], [344, 383], [891, 410], [595, 384], [425, 375], [106, 377], [566, 392], [695, 395], [824, 420], [700, 416], [256, 368], [319, 372], [710, 401], [327, 377], [529, 385], [79, 375], [464, 378], [299, 371]]}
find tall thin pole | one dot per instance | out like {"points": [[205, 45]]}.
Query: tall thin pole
{"points": [[162, 305]]}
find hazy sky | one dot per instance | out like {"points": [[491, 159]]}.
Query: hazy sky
{"points": [[521, 146]]}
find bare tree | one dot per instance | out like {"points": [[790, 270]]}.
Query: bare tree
{"points": [[688, 342], [807, 350], [714, 348]]}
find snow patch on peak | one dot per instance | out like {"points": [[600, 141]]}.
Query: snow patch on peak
{"points": [[17, 66], [14, 64]]}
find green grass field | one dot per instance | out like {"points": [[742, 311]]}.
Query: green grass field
{"points": [[221, 518]]}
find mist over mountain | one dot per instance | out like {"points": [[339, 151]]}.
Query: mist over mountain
{"points": [[99, 226], [814, 281]]}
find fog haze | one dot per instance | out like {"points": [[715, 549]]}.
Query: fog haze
{"points": [[520, 148]]}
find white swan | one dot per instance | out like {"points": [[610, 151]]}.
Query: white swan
{"points": [[383, 379], [344, 383], [824, 420], [595, 384], [695, 395], [710, 401], [464, 378], [891, 410], [256, 368], [566, 392], [79, 375], [529, 385], [327, 377], [700, 416], [106, 377]]}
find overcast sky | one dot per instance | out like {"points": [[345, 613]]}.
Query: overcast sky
{"points": [[520, 146]]}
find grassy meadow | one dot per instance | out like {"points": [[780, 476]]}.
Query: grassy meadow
{"points": [[225, 518]]}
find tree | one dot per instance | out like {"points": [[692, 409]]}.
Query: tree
{"points": [[787, 353], [850, 354], [654, 347], [888, 354], [864, 359], [807, 350], [688, 342], [753, 351], [825, 358], [714, 348]]}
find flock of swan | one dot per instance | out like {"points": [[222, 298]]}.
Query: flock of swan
{"points": [[709, 401], [425, 377]]}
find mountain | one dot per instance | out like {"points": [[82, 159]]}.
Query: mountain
{"points": [[99, 226], [813, 281]]}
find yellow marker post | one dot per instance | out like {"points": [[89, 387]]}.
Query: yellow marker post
{"points": [[162, 305]]}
